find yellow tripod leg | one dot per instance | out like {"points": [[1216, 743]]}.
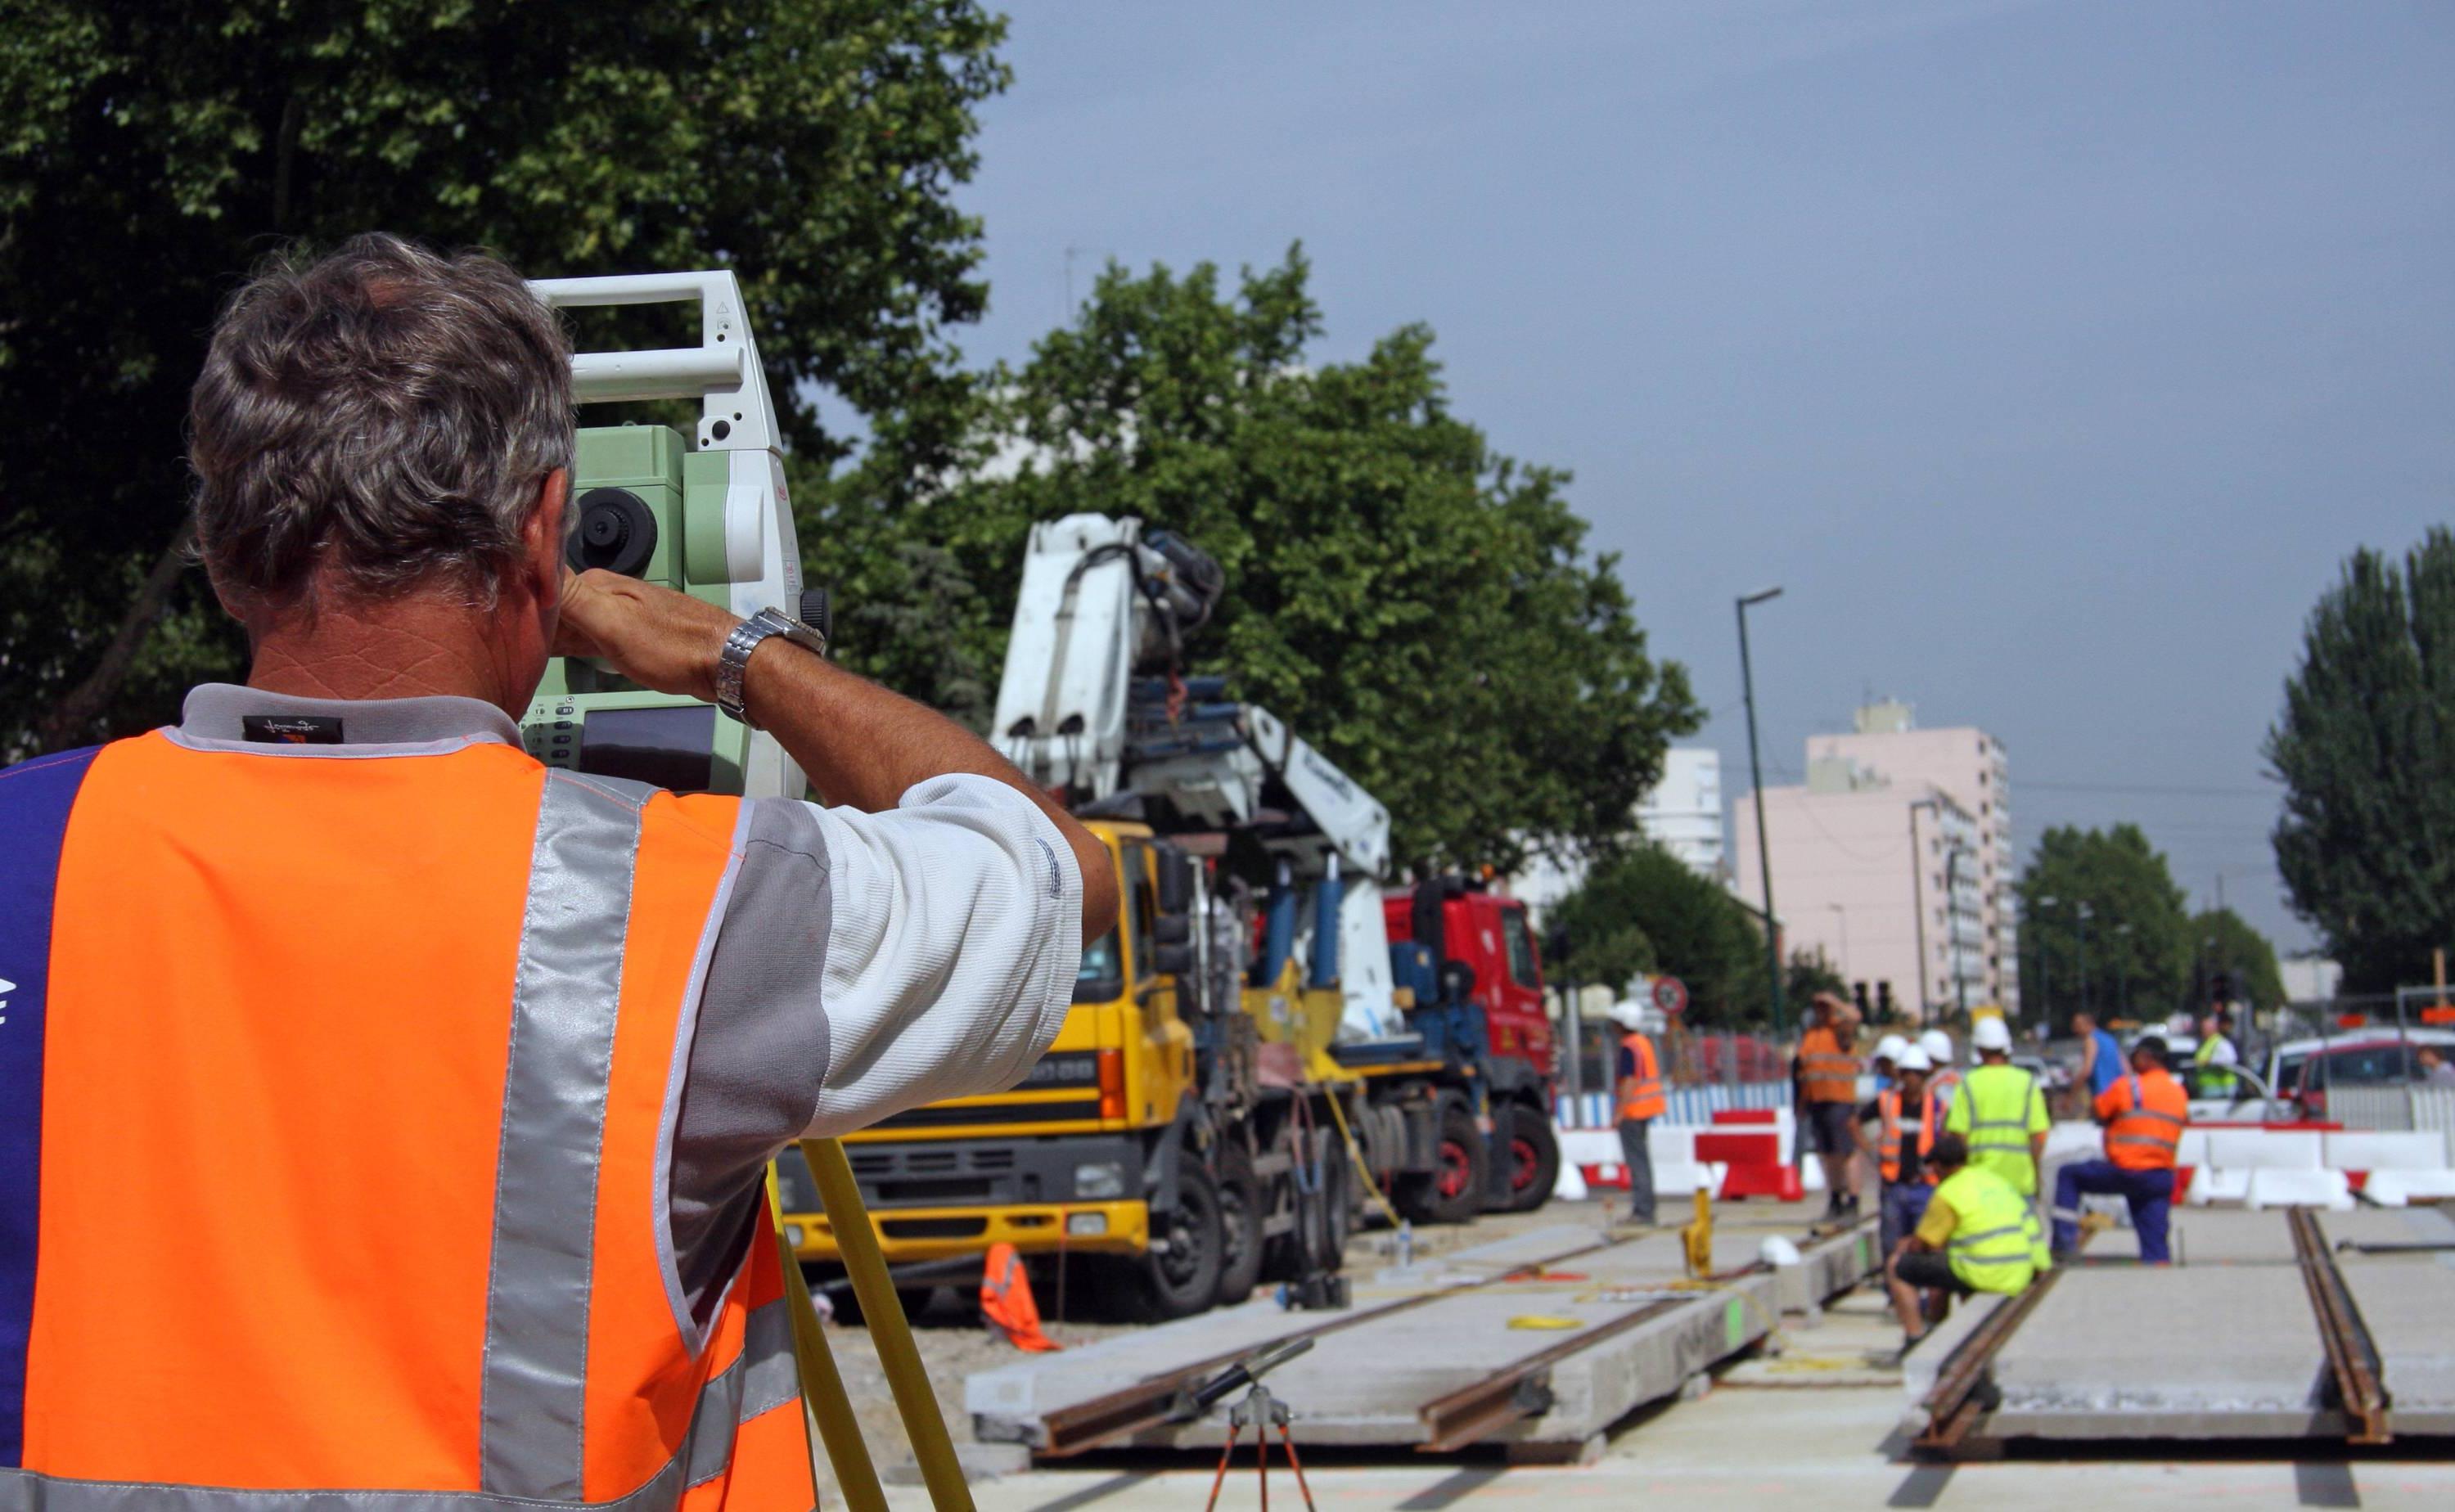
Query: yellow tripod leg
{"points": [[857, 1241], [823, 1385]]}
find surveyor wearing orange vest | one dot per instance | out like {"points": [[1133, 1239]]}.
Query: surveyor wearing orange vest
{"points": [[1828, 1084], [1907, 1121], [450, 1078], [2144, 1114], [1640, 1102]]}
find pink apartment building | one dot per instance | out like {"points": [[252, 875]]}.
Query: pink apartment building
{"points": [[1895, 858]]}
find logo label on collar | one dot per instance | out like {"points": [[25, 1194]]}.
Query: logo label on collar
{"points": [[291, 729]]}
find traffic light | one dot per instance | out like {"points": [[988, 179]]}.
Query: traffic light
{"points": [[2220, 987], [1884, 998], [1859, 995]]}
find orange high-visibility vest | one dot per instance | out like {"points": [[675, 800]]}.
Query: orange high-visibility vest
{"points": [[1831, 1073], [2144, 1120], [1888, 1148], [336, 1101], [1640, 1096]]}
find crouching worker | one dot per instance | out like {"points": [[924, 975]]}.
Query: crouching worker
{"points": [[1978, 1235], [465, 1070], [2144, 1114]]}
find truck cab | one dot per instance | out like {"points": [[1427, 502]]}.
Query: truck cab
{"points": [[1063, 1159], [1466, 957]]}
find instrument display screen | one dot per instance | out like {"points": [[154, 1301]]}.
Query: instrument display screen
{"points": [[673, 747]]}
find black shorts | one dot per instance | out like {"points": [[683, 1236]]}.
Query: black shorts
{"points": [[1929, 1271], [1832, 1127]]}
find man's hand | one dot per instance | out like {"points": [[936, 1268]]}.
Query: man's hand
{"points": [[654, 636]]}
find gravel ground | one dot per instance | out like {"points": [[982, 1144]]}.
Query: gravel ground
{"points": [[954, 1342]]}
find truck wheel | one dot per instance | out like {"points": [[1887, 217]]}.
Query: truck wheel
{"points": [[1452, 1193], [1337, 1200], [1240, 1229], [1534, 1162], [1183, 1279]]}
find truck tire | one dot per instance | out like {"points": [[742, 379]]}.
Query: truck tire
{"points": [[1337, 1199], [1183, 1279], [1240, 1228], [1451, 1192], [1534, 1162]]}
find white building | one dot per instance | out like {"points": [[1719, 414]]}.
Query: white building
{"points": [[1682, 813], [1878, 875]]}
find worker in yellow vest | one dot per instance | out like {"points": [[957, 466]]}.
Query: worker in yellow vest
{"points": [[2000, 1110], [1640, 1102], [1977, 1236], [1828, 1091]]}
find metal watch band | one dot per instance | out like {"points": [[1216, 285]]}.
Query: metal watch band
{"points": [[733, 661]]}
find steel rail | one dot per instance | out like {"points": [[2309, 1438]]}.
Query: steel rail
{"points": [[1962, 1392], [1522, 1389], [2352, 1356], [1164, 1398]]}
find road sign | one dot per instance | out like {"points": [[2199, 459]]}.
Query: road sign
{"points": [[1670, 993]]}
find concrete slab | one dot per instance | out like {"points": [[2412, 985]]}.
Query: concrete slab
{"points": [[1367, 1384]]}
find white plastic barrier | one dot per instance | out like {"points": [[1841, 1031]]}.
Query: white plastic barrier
{"points": [[2397, 1188], [2209, 1186], [2370, 1150], [2275, 1186], [2266, 1150]]}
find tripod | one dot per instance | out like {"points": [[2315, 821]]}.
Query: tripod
{"points": [[1259, 1408]]}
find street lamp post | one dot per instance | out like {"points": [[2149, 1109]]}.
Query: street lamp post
{"points": [[2084, 912], [1844, 916], [2045, 959], [2123, 982], [1917, 899], [1756, 776]]}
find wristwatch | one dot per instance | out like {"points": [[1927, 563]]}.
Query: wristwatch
{"points": [[735, 658]]}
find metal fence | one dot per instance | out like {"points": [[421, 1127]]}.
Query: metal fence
{"points": [[1695, 1105]]}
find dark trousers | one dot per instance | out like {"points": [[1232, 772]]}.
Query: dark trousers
{"points": [[1639, 1161], [2150, 1193]]}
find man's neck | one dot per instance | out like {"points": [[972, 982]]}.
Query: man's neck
{"points": [[412, 649]]}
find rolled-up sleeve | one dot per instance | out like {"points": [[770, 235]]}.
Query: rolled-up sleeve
{"points": [[863, 965], [956, 934]]}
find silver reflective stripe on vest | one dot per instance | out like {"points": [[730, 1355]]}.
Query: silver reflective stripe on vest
{"points": [[745, 1391], [565, 1003]]}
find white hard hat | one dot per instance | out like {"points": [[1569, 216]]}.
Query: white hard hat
{"points": [[1913, 1059], [1890, 1047], [1628, 1014], [1991, 1034], [1937, 1046]]}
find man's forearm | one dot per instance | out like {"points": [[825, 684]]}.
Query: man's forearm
{"points": [[862, 746]]}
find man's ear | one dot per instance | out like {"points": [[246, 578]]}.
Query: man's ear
{"points": [[541, 538]]}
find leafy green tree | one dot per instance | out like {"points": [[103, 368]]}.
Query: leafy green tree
{"points": [[2099, 907], [1418, 606], [150, 154], [2222, 940], [1643, 910], [2367, 752], [1809, 972]]}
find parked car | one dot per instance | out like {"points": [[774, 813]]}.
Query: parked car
{"points": [[2305, 1069]]}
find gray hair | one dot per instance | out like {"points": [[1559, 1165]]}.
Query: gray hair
{"points": [[385, 413]]}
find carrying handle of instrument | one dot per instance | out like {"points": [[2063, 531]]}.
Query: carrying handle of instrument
{"points": [[865, 1264], [822, 1385]]}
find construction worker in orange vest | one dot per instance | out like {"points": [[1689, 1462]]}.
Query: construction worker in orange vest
{"points": [[463, 1072], [1640, 1102], [2144, 1114], [1828, 1081], [1907, 1121]]}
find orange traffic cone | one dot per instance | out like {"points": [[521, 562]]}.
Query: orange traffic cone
{"points": [[1006, 1302]]}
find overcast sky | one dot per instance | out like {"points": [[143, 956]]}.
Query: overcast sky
{"points": [[2051, 356]]}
